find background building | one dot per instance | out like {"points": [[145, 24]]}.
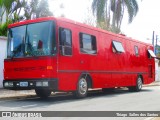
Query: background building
{"points": [[3, 43]]}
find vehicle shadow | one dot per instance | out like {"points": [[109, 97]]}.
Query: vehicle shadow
{"points": [[62, 98]]}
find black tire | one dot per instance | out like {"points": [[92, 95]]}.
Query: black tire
{"points": [[43, 93], [82, 88], [138, 86], [108, 90]]}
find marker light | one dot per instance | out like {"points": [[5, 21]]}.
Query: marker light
{"points": [[49, 68]]}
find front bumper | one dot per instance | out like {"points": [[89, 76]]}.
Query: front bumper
{"points": [[29, 84]]}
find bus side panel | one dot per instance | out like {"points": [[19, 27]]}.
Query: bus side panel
{"points": [[69, 67], [106, 68], [67, 81]]}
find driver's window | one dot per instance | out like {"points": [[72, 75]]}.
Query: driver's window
{"points": [[65, 41]]}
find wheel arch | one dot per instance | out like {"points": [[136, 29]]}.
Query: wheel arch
{"points": [[88, 78]]}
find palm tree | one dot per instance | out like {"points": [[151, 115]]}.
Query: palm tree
{"points": [[7, 7], [36, 9], [111, 12], [19, 4], [12, 8], [43, 9]]}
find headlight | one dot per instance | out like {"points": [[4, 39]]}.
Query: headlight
{"points": [[38, 84], [42, 84], [45, 84], [8, 84]]}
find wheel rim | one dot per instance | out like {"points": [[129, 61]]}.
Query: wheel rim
{"points": [[82, 86], [139, 82]]}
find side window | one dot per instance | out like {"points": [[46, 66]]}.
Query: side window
{"points": [[136, 50], [65, 39], [88, 43], [117, 47]]}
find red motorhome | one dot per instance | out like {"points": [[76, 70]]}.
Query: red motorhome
{"points": [[57, 54]]}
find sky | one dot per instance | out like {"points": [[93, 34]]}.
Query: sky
{"points": [[73, 9], [146, 21], [142, 27]]}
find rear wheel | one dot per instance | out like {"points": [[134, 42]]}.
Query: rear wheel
{"points": [[82, 88], [138, 86], [43, 93]]}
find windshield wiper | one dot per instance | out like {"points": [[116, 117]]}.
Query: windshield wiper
{"points": [[14, 53], [18, 49]]}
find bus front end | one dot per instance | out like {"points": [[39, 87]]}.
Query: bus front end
{"points": [[31, 57]]}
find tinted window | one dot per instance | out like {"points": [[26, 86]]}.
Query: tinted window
{"points": [[38, 39], [65, 37], [117, 46], [32, 40], [16, 39], [88, 44]]}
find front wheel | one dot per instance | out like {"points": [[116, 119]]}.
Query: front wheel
{"points": [[43, 93], [82, 88]]}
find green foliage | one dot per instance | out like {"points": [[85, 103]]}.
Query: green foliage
{"points": [[7, 5], [4, 27], [112, 12], [34, 9]]}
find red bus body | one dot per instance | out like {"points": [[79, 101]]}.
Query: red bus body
{"points": [[105, 69]]}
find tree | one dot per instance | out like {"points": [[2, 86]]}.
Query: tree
{"points": [[7, 7], [43, 9], [36, 9], [89, 18], [111, 12], [12, 8], [30, 9], [18, 5]]}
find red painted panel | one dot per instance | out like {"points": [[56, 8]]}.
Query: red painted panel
{"points": [[30, 68], [107, 69]]}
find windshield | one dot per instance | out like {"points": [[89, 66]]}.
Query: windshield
{"points": [[36, 39]]}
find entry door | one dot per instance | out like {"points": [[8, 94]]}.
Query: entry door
{"points": [[65, 47]]}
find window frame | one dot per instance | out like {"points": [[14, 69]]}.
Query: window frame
{"points": [[62, 46], [51, 36], [114, 47], [93, 42], [151, 54], [136, 50]]}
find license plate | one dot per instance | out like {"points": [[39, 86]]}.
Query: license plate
{"points": [[24, 84]]}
